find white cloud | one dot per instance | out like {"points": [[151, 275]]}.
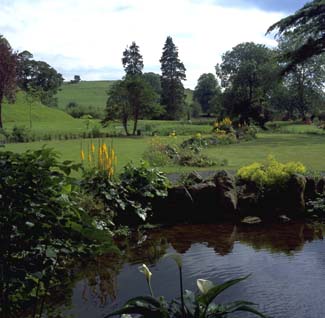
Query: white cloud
{"points": [[90, 36]]}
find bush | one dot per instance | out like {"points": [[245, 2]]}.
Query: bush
{"points": [[271, 172], [42, 228], [19, 134]]}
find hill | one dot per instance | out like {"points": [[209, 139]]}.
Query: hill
{"points": [[91, 94], [85, 94]]}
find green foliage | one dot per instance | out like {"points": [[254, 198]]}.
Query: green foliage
{"points": [[19, 134], [172, 75], [38, 76], [190, 304], [8, 71], [208, 93], [308, 25], [271, 172], [189, 153], [132, 60], [131, 99], [125, 201], [248, 74], [42, 228]]}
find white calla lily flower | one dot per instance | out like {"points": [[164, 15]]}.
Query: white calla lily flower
{"points": [[145, 270], [204, 285]]}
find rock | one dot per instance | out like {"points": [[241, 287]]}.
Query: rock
{"points": [[248, 199], [321, 185], [205, 202], [294, 195], [193, 178], [176, 208], [310, 190], [251, 220], [226, 192]]}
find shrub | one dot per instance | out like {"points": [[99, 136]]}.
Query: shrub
{"points": [[158, 153], [144, 182], [271, 172], [41, 227], [19, 134]]}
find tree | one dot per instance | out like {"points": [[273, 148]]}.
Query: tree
{"points": [[248, 74], [38, 76], [207, 93], [77, 78], [173, 73], [131, 98], [132, 60], [304, 80], [307, 24], [153, 80], [8, 66]]}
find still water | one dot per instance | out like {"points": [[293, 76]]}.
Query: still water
{"points": [[287, 263]]}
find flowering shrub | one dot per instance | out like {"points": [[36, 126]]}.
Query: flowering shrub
{"points": [[102, 159], [225, 124], [271, 172]]}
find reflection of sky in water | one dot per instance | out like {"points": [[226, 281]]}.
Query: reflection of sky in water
{"points": [[283, 285]]}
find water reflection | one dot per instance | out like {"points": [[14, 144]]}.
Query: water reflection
{"points": [[287, 262]]}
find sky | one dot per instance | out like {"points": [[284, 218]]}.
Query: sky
{"points": [[88, 37]]}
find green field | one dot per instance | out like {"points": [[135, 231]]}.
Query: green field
{"points": [[309, 149], [85, 93]]}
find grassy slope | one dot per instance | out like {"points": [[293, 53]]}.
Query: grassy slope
{"points": [[45, 120], [85, 93], [92, 93], [309, 149]]}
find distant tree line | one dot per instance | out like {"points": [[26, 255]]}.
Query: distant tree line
{"points": [[20, 71], [253, 83]]}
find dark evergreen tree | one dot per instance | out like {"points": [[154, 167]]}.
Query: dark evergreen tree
{"points": [[172, 75], [132, 60], [308, 24]]}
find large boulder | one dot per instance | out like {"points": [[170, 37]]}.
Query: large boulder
{"points": [[226, 193], [311, 188], [175, 208], [295, 200], [248, 199], [321, 186], [205, 202]]}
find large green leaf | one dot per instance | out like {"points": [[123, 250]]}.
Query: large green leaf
{"points": [[207, 298]]}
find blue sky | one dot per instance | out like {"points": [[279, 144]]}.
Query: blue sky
{"points": [[287, 6], [88, 37]]}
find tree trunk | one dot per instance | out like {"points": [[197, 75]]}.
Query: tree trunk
{"points": [[125, 125]]}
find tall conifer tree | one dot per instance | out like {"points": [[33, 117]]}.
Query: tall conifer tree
{"points": [[172, 75]]}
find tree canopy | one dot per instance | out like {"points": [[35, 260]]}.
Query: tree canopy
{"points": [[8, 69], [132, 98], [308, 24], [248, 74], [132, 60], [38, 76], [207, 93]]}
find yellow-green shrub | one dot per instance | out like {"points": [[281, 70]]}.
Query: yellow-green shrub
{"points": [[270, 172]]}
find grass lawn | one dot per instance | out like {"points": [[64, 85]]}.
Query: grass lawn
{"points": [[85, 93], [309, 149]]}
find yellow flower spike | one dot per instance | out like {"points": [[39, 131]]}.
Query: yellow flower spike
{"points": [[89, 157], [92, 148], [82, 155]]}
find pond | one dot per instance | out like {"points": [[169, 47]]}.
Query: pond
{"points": [[287, 263]]}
